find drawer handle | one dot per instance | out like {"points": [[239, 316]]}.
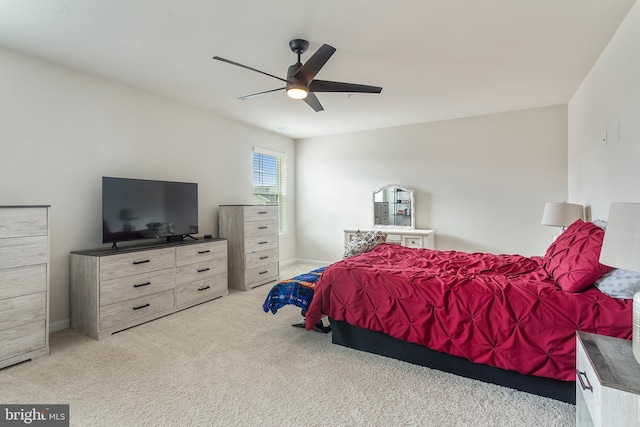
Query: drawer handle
{"points": [[264, 227], [142, 306], [204, 289], [580, 374], [264, 257], [204, 252], [139, 285], [264, 272], [262, 243], [262, 212], [202, 270], [141, 262]]}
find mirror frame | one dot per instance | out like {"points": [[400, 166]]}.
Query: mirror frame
{"points": [[393, 206]]}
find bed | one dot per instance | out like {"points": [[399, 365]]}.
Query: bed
{"points": [[506, 319]]}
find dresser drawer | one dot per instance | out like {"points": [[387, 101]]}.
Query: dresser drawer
{"points": [[261, 228], [134, 309], [261, 243], [202, 290], [127, 264], [588, 384], [199, 271], [124, 288], [22, 222], [20, 251], [200, 252], [257, 259], [23, 339], [26, 309], [396, 239], [261, 213], [412, 241], [23, 280], [261, 274]]}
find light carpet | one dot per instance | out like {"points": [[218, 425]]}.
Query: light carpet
{"points": [[227, 363]]}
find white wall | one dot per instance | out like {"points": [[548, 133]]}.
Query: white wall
{"points": [[480, 182], [63, 130], [602, 173]]}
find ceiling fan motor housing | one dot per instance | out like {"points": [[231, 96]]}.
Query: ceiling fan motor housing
{"points": [[294, 82]]}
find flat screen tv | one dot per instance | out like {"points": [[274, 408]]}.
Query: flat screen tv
{"points": [[135, 209]]}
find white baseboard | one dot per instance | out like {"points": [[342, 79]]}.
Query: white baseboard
{"points": [[58, 326], [306, 261]]}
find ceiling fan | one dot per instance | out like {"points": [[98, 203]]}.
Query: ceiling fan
{"points": [[300, 82]]}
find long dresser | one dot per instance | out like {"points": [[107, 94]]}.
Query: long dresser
{"points": [[24, 283], [254, 249], [113, 290]]}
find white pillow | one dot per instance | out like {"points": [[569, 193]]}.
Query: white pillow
{"points": [[619, 283]]}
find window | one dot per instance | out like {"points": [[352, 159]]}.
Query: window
{"points": [[270, 181]]}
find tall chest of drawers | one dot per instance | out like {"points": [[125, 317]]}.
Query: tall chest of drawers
{"points": [[115, 290], [24, 283], [252, 233]]}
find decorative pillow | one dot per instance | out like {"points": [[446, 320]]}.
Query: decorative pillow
{"points": [[572, 259], [361, 243], [619, 283]]}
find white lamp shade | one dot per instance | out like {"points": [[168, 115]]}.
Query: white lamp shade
{"points": [[561, 214], [621, 245]]}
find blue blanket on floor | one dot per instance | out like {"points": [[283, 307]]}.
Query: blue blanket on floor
{"points": [[297, 291]]}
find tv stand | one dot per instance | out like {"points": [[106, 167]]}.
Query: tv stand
{"points": [[115, 290]]}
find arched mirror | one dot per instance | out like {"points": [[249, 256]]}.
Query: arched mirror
{"points": [[393, 207]]}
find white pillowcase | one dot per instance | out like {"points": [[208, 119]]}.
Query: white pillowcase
{"points": [[619, 283]]}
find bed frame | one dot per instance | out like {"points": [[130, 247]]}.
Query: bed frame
{"points": [[386, 345]]}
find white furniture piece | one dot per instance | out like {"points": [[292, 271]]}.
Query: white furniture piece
{"points": [[393, 206], [24, 283], [405, 237], [254, 248], [113, 290], [607, 382]]}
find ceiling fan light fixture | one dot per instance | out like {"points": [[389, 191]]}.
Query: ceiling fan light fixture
{"points": [[297, 92]]}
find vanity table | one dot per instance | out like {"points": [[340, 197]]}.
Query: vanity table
{"points": [[394, 214], [410, 238]]}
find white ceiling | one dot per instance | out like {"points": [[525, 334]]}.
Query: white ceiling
{"points": [[435, 59]]}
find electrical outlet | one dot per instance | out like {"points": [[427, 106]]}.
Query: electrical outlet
{"points": [[604, 137]]}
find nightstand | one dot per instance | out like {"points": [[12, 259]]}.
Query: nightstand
{"points": [[607, 382]]}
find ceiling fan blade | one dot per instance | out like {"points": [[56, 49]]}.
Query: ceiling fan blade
{"points": [[309, 69], [312, 101], [248, 68], [328, 86], [253, 95]]}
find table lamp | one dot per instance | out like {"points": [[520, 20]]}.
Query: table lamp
{"points": [[561, 214], [621, 249]]}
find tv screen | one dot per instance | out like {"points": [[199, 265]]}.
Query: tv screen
{"points": [[145, 209]]}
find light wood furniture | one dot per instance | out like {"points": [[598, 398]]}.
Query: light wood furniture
{"points": [[24, 283], [607, 382], [113, 290], [253, 235], [405, 237]]}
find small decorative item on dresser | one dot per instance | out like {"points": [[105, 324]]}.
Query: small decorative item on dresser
{"points": [[621, 249]]}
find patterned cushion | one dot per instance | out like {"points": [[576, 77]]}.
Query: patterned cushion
{"points": [[619, 283], [572, 259], [361, 243]]}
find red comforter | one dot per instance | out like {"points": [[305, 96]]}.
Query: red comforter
{"points": [[499, 310]]}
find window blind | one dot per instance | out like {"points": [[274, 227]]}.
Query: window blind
{"points": [[270, 181]]}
